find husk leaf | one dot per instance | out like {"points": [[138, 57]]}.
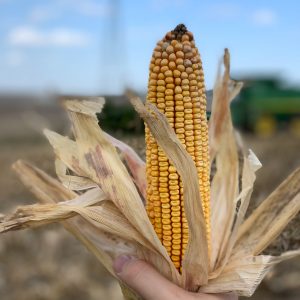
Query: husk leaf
{"points": [[245, 274], [135, 164], [104, 167], [223, 149], [72, 182], [270, 217]]}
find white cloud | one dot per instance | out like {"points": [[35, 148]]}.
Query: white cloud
{"points": [[30, 36], [264, 17]]}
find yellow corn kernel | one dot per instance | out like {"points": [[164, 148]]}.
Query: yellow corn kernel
{"points": [[176, 87]]}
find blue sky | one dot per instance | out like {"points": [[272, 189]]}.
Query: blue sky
{"points": [[92, 47]]}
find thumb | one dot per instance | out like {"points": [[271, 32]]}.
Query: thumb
{"points": [[145, 280]]}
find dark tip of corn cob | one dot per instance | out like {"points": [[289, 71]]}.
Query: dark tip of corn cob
{"points": [[179, 30], [180, 33]]}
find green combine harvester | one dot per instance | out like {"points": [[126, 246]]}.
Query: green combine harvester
{"points": [[265, 106]]}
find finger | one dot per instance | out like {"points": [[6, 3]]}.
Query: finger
{"points": [[145, 280]]}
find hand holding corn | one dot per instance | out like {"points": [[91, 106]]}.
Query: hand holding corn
{"points": [[151, 285]]}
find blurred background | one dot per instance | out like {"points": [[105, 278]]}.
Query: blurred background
{"points": [[57, 49]]}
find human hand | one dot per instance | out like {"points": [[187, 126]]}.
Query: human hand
{"points": [[151, 285]]}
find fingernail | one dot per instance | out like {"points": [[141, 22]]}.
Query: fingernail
{"points": [[120, 262]]}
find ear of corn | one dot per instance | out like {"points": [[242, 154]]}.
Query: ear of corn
{"points": [[176, 87]]}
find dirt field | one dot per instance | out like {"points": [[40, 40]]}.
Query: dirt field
{"points": [[47, 263]]}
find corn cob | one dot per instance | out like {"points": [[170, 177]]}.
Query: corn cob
{"points": [[176, 87]]}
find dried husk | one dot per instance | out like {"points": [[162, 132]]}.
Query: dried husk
{"points": [[135, 164], [223, 150], [72, 182], [99, 198]]}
